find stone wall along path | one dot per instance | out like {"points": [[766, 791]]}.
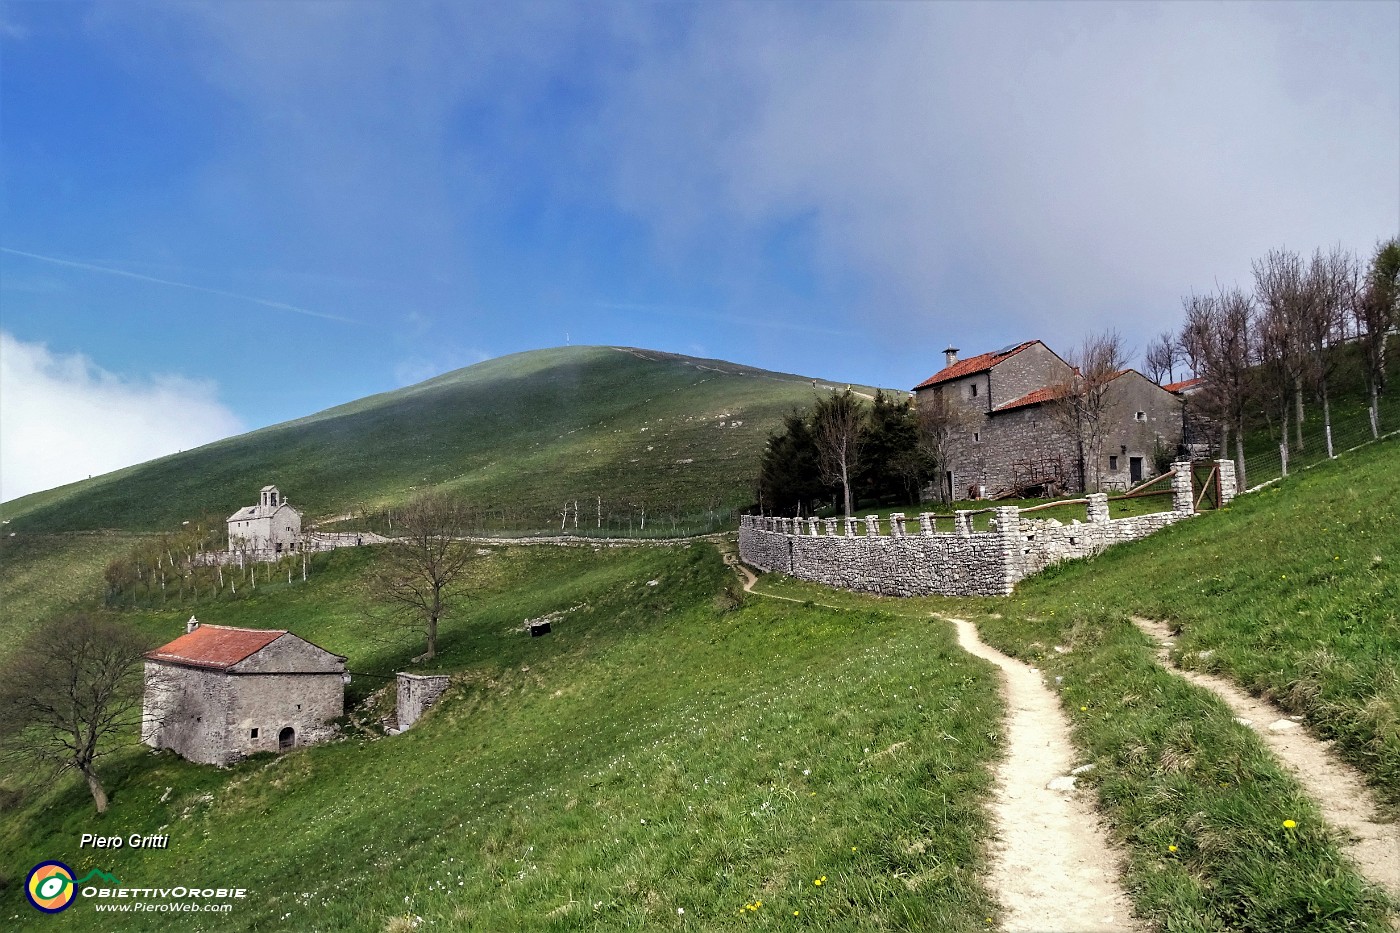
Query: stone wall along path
{"points": [[1052, 865], [1338, 789]]}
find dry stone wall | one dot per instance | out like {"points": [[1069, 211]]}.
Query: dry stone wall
{"points": [[418, 692], [853, 554]]}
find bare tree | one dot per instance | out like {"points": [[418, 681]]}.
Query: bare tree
{"points": [[424, 562], [1276, 375], [1080, 402], [838, 426], [1330, 287], [1161, 357], [1217, 333], [941, 424], [1377, 310], [1280, 284], [70, 695]]}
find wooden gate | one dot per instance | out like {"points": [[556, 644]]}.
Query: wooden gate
{"points": [[1205, 485]]}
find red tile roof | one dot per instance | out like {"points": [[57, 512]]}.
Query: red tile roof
{"points": [[1049, 393], [216, 646], [973, 364], [1184, 384], [1046, 394]]}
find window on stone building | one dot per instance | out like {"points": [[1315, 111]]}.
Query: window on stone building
{"points": [[253, 734], [1113, 461], [1142, 416], [977, 435], [972, 390]]}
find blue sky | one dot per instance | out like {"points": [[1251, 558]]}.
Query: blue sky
{"points": [[240, 213]]}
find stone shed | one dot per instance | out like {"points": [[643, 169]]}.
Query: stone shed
{"points": [[216, 693]]}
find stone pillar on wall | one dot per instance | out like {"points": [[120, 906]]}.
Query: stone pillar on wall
{"points": [[926, 525], [896, 524], [1008, 533], [962, 523], [830, 524], [850, 526], [1098, 507], [812, 528], [872, 526], [1181, 488], [1229, 482]]}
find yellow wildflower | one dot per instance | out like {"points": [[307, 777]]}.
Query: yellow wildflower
{"points": [[1289, 824]]}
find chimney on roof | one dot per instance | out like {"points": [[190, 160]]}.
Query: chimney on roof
{"points": [[950, 355], [191, 625]]}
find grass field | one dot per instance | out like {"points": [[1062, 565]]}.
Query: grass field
{"points": [[665, 750], [1294, 593], [41, 575], [676, 755]]}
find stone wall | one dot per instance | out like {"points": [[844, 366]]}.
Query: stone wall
{"points": [[854, 554], [210, 716], [185, 709], [418, 692]]}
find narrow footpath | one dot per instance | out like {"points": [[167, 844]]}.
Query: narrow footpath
{"points": [[1052, 866], [1053, 870], [1338, 789]]}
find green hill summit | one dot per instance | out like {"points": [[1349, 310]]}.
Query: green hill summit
{"points": [[618, 430]]}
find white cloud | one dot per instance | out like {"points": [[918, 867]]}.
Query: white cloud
{"points": [[974, 172], [63, 418], [1081, 164]]}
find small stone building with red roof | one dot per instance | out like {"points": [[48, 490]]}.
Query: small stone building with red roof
{"points": [[1005, 436], [217, 693]]}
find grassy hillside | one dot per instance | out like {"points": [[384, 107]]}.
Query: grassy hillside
{"points": [[41, 575], [1351, 424], [1294, 592], [666, 759], [518, 436]]}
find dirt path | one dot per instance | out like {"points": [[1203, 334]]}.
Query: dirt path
{"points": [[745, 574], [1345, 800], [1053, 869]]}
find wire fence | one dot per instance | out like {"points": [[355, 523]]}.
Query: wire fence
{"points": [[1351, 428]]}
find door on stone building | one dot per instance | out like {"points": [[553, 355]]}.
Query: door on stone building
{"points": [[286, 739], [1134, 470]]}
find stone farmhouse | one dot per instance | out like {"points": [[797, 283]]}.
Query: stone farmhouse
{"points": [[269, 529], [216, 694], [1200, 436], [1004, 435]]}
